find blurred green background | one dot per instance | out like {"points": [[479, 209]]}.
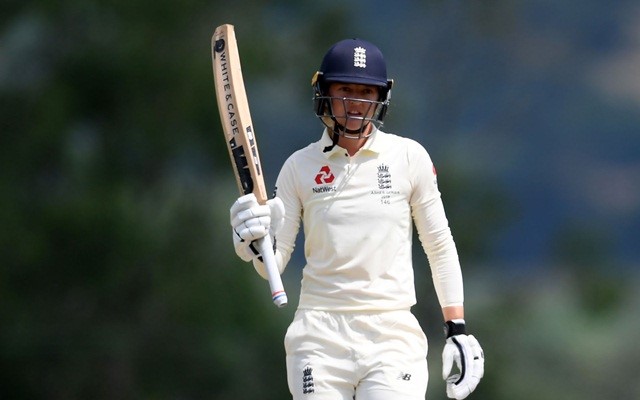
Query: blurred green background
{"points": [[118, 278]]}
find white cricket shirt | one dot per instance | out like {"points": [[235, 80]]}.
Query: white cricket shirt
{"points": [[357, 216]]}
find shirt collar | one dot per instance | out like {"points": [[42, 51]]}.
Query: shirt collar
{"points": [[373, 144]]}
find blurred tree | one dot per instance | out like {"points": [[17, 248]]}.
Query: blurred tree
{"points": [[115, 282]]}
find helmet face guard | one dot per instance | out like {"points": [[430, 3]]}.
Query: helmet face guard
{"points": [[374, 112], [358, 62]]}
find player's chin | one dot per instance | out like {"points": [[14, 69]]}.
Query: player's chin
{"points": [[355, 124]]}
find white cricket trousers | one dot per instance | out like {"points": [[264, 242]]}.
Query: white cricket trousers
{"points": [[372, 356]]}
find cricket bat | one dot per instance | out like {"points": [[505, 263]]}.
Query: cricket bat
{"points": [[241, 139]]}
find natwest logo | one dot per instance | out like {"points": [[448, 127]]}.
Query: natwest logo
{"points": [[325, 176]]}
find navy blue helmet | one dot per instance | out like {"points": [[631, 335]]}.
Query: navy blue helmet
{"points": [[352, 61], [355, 61]]}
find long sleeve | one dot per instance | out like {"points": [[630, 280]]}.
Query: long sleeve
{"points": [[434, 233]]}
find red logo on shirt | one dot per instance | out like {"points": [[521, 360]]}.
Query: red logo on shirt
{"points": [[324, 176]]}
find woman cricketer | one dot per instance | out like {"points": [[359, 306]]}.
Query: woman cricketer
{"points": [[358, 192]]}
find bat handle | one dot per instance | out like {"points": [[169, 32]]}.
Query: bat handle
{"points": [[265, 247]]}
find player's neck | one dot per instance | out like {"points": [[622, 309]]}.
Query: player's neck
{"points": [[351, 145]]}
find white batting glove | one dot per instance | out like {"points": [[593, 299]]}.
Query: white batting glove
{"points": [[468, 355], [251, 221]]}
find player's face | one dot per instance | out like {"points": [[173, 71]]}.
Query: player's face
{"points": [[348, 105]]}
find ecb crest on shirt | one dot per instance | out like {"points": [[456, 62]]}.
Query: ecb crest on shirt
{"points": [[384, 177], [384, 184]]}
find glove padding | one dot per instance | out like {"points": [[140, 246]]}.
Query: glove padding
{"points": [[467, 353], [251, 221]]}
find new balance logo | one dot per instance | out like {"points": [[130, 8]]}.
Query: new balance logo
{"points": [[404, 377]]}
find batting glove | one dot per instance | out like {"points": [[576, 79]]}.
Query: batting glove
{"points": [[251, 221], [466, 352]]}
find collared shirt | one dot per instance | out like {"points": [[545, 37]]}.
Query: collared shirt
{"points": [[358, 214]]}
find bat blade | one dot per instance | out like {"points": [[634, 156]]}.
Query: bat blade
{"points": [[240, 138]]}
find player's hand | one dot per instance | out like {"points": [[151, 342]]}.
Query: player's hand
{"points": [[251, 221], [469, 358]]}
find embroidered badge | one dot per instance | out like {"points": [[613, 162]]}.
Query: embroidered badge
{"points": [[384, 177], [307, 380]]}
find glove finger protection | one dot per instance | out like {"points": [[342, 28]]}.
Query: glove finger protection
{"points": [[276, 208], [466, 352], [249, 219], [244, 248], [450, 354]]}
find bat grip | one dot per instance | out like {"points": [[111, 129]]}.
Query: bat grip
{"points": [[278, 295]]}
